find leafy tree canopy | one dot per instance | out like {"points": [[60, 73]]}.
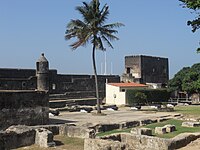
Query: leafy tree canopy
{"points": [[187, 79], [195, 6]]}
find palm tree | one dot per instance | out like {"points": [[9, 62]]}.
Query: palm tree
{"points": [[92, 29]]}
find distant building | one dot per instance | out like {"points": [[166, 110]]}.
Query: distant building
{"points": [[149, 70], [116, 92]]}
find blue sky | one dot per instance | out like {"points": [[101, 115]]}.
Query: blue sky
{"points": [[152, 27]]}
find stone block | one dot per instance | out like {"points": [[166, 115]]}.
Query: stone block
{"points": [[44, 138], [160, 130], [145, 122], [141, 131], [190, 124], [170, 128], [77, 131], [132, 124], [17, 136]]}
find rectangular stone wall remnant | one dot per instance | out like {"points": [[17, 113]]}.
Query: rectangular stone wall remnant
{"points": [[23, 107]]}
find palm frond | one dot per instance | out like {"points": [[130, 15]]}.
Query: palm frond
{"points": [[113, 25], [92, 28], [107, 42], [103, 14]]}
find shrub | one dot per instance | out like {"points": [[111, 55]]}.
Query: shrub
{"points": [[143, 96]]}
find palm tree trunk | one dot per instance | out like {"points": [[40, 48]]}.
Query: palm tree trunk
{"points": [[96, 81]]}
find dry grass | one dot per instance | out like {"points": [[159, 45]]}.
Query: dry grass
{"points": [[62, 143]]}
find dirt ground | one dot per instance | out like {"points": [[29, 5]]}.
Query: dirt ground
{"points": [[62, 143], [121, 115]]}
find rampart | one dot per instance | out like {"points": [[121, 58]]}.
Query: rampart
{"points": [[72, 86]]}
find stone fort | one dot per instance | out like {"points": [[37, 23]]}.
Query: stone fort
{"points": [[138, 68], [28, 91], [146, 69]]}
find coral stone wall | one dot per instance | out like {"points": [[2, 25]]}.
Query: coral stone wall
{"points": [[23, 107]]}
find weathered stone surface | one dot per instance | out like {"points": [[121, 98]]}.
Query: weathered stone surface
{"points": [[141, 131], [53, 128], [23, 107], [143, 142], [191, 124], [77, 131], [170, 128], [99, 144], [106, 127], [17, 136], [44, 138], [129, 124], [128, 142], [139, 142], [147, 121], [160, 130], [183, 139]]}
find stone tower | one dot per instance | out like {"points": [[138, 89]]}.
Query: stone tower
{"points": [[42, 73], [146, 69]]}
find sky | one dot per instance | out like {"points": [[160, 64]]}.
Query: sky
{"points": [[152, 27]]}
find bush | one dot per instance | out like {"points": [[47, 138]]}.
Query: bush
{"points": [[143, 96]]}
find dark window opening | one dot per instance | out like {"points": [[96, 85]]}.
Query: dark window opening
{"points": [[128, 70], [123, 90]]}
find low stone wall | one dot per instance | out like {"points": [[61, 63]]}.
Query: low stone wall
{"points": [[183, 139], [24, 108], [76, 131], [17, 137], [129, 141]]}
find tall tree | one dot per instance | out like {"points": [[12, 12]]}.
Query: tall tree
{"points": [[187, 79], [92, 29], [195, 6]]}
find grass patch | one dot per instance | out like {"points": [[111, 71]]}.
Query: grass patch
{"points": [[179, 128], [191, 110], [177, 123]]}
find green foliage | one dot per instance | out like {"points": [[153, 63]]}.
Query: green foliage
{"points": [[195, 6], [187, 79], [137, 98], [176, 82], [143, 96]]}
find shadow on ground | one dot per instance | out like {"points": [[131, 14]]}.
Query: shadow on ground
{"points": [[59, 121]]}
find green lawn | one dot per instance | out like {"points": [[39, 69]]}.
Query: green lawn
{"points": [[177, 123], [191, 110], [179, 128]]}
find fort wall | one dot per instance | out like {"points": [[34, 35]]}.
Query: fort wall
{"points": [[23, 107]]}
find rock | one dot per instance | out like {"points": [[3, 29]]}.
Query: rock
{"points": [[170, 106], [83, 111], [160, 130], [141, 131], [44, 138], [134, 108], [190, 124], [110, 109], [170, 128], [54, 112]]}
